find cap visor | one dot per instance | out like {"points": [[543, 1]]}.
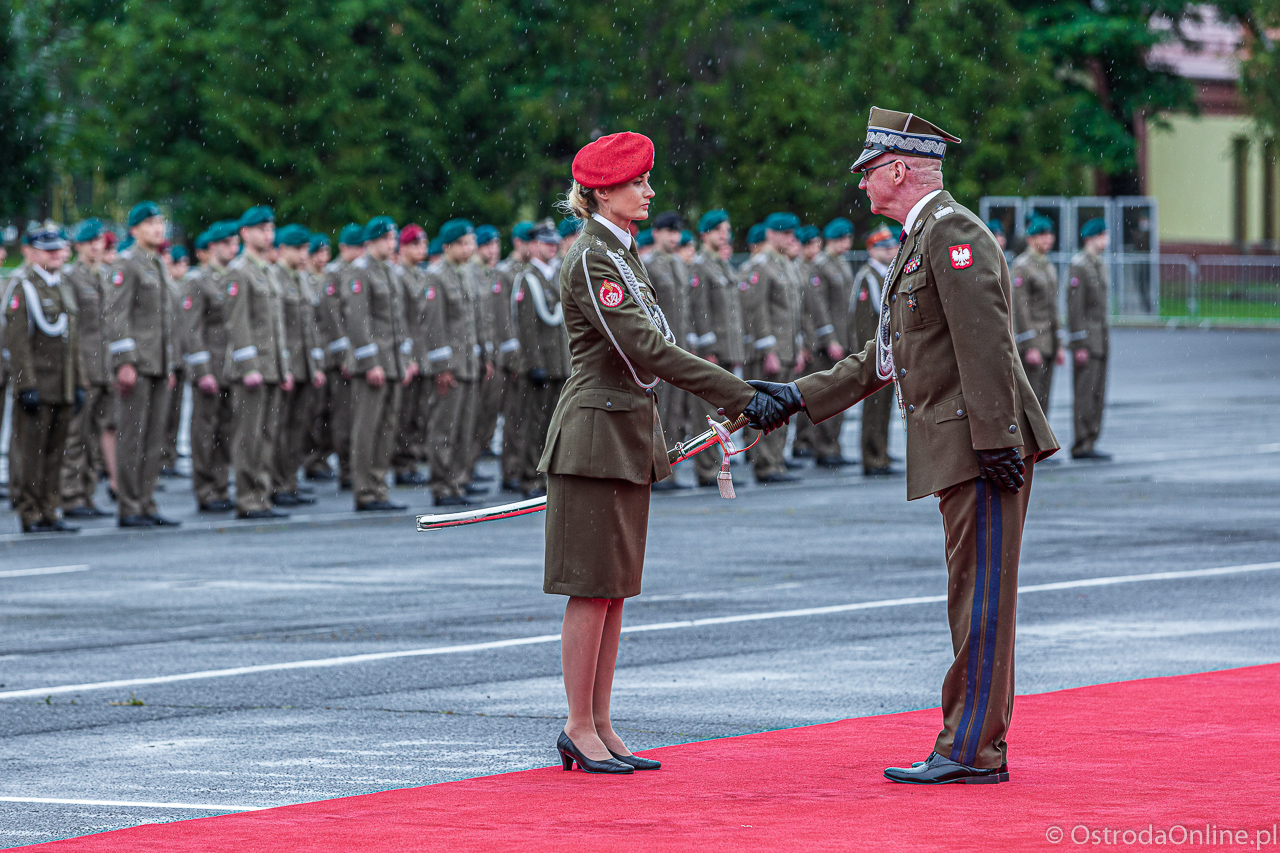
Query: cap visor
{"points": [[868, 154]]}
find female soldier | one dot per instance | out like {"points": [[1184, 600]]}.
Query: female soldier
{"points": [[605, 448]]}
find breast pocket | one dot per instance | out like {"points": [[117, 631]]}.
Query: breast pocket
{"points": [[922, 307]]}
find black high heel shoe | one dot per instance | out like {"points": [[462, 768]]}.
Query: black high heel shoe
{"points": [[570, 753], [637, 762]]}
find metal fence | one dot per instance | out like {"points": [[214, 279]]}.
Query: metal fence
{"points": [[1205, 291]]}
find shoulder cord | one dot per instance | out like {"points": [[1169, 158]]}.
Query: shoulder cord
{"points": [[591, 292], [654, 312], [545, 314], [35, 313], [884, 346]]}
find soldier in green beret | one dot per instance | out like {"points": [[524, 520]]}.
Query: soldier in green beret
{"points": [[1089, 338], [143, 349], [670, 278], [755, 239], [509, 356], [568, 230], [319, 442], [497, 328], [339, 365], [411, 442], [644, 243], [82, 462], [1035, 308], [176, 266], [816, 325]]}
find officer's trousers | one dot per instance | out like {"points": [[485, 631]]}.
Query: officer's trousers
{"points": [[411, 431], [768, 456], [140, 425], [824, 438], [373, 437], [1090, 392], [39, 439], [211, 430], [255, 418], [319, 441], [340, 418], [450, 428], [172, 420], [539, 404], [487, 411], [983, 527], [287, 458], [1041, 378], [513, 434], [877, 412], [82, 459]]}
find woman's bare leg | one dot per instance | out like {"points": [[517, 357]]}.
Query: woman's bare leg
{"points": [[580, 650], [603, 691]]}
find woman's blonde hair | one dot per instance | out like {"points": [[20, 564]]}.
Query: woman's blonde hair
{"points": [[579, 201]]}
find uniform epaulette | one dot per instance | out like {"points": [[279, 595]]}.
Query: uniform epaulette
{"points": [[332, 266], [361, 262]]}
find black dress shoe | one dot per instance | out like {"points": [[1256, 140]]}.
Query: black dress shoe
{"points": [[801, 452], [84, 512], [529, 494], [570, 753], [218, 506], [883, 471], [1091, 455], [321, 475], [304, 490], [452, 500], [60, 526], [261, 514], [344, 486], [481, 478], [136, 521], [637, 762], [380, 506], [937, 770], [161, 521], [291, 499], [833, 462], [777, 477], [36, 527]]}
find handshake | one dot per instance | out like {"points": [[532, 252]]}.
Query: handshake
{"points": [[773, 405]]}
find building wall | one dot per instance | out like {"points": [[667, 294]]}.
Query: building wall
{"points": [[1190, 168]]}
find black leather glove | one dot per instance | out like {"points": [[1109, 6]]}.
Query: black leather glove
{"points": [[787, 394], [773, 405], [538, 376], [29, 400], [1004, 467], [79, 401]]}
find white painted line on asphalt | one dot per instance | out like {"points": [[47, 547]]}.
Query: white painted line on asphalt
{"points": [[41, 692], [48, 570], [130, 804]]}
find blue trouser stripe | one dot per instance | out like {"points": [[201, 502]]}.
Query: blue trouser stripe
{"points": [[989, 628], [975, 622]]}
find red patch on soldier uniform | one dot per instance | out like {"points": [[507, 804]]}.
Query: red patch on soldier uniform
{"points": [[961, 257], [1017, 282], [755, 277], [233, 289], [815, 281], [430, 293], [186, 304], [355, 285], [693, 282], [742, 285], [863, 296], [611, 294], [520, 295], [118, 278], [1075, 281], [330, 290], [13, 304], [497, 287]]}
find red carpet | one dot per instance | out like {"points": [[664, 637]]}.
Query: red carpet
{"points": [[1198, 752]]}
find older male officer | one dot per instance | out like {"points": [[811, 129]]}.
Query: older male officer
{"points": [[1035, 308], [1089, 339], [864, 317], [715, 310], [204, 347], [945, 337], [43, 345], [85, 278], [141, 340], [374, 312]]}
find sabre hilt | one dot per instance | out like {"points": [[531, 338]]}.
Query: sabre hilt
{"points": [[684, 449]]}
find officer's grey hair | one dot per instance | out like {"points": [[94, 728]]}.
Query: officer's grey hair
{"points": [[579, 201]]}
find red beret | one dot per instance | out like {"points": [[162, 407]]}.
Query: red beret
{"points": [[613, 159], [410, 233]]}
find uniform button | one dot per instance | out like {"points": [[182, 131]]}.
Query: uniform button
{"points": [[608, 405], [902, 371], [911, 408], [893, 298], [897, 335], [959, 413], [1013, 427]]}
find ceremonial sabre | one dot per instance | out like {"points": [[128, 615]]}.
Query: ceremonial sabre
{"points": [[718, 433]]}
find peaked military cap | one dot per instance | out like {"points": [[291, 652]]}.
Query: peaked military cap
{"points": [[142, 211], [544, 232], [87, 231], [47, 237], [756, 233], [486, 234], [351, 235], [259, 215], [1093, 228], [883, 237], [1038, 225], [781, 222], [293, 235], [223, 229], [377, 227], [569, 226], [901, 133], [712, 219], [807, 233], [454, 230], [522, 230]]}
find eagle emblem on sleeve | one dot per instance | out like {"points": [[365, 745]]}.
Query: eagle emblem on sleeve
{"points": [[611, 294], [961, 256]]}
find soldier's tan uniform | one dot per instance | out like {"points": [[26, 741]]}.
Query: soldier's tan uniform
{"points": [[963, 389], [451, 326], [670, 280], [775, 293], [877, 410], [495, 325], [316, 444], [1035, 317], [335, 429], [173, 413], [1087, 310], [82, 460], [137, 320], [411, 436], [204, 348], [300, 339], [43, 341], [544, 346], [605, 446], [828, 287], [255, 342], [374, 312], [508, 366], [715, 312]]}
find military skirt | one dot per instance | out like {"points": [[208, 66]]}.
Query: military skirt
{"points": [[596, 533]]}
